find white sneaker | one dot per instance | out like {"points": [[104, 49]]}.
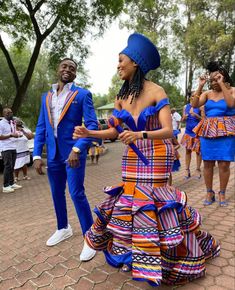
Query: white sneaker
{"points": [[16, 186], [59, 236], [8, 189], [87, 253]]}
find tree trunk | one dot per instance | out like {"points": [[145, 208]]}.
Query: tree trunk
{"points": [[190, 77], [186, 81], [21, 91]]}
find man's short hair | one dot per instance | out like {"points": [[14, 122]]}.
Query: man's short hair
{"points": [[68, 58]]}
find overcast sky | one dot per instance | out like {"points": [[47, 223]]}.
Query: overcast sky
{"points": [[102, 63]]}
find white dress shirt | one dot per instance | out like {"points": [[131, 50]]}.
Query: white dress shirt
{"points": [[176, 118], [57, 104], [6, 128]]}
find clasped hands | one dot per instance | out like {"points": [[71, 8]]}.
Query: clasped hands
{"points": [[126, 137]]}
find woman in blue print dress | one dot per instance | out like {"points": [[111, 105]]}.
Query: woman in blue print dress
{"points": [[190, 141], [144, 225], [217, 130]]}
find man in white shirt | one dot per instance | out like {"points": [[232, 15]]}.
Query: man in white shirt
{"points": [[176, 119], [8, 150]]}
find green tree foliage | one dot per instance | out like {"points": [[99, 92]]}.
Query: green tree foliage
{"points": [[114, 88], [42, 78], [152, 19], [44, 75], [61, 25], [206, 32], [99, 100]]}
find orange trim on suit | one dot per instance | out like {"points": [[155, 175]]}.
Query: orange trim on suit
{"points": [[65, 109]]}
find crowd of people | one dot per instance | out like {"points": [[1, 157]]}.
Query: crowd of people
{"points": [[145, 224]]}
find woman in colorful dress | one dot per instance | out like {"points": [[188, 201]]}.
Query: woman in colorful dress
{"points": [[145, 225], [217, 130], [190, 141]]}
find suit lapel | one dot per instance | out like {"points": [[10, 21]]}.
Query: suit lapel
{"points": [[48, 105], [70, 97]]}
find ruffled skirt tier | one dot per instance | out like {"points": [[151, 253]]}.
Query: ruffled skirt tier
{"points": [[154, 231]]}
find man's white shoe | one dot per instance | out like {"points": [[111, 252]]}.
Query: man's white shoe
{"points": [[7, 189], [87, 253], [59, 236], [16, 186]]}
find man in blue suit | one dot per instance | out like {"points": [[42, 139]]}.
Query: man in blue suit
{"points": [[64, 107]]}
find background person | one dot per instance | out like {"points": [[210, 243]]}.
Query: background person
{"points": [[22, 150], [145, 224], [190, 141], [176, 119], [64, 107], [8, 138], [176, 163], [217, 130], [96, 149]]}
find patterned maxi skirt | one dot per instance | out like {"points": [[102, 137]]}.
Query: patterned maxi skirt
{"points": [[148, 225]]}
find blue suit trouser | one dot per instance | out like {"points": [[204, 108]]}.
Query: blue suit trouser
{"points": [[58, 172]]}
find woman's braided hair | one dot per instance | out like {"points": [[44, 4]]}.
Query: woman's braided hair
{"points": [[133, 88], [213, 66]]}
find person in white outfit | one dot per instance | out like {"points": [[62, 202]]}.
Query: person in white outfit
{"points": [[176, 122], [22, 150], [8, 137]]}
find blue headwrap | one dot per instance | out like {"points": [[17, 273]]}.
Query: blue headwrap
{"points": [[142, 51]]}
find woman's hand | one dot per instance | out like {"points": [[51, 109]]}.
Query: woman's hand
{"points": [[80, 132], [128, 137], [202, 80], [219, 78], [192, 112]]}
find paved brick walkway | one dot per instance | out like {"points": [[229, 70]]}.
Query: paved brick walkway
{"points": [[27, 220]]}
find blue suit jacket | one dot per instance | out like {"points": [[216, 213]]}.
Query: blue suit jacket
{"points": [[78, 108]]}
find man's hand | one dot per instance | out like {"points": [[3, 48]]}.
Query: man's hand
{"points": [[73, 159], [38, 166]]}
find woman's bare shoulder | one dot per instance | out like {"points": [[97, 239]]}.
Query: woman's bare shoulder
{"points": [[233, 91], [156, 91], [118, 104], [209, 94]]}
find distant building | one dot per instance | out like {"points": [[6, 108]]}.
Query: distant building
{"points": [[105, 111]]}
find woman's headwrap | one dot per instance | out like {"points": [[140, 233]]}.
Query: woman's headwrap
{"points": [[143, 52]]}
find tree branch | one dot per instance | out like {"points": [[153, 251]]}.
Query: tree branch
{"points": [[51, 28], [38, 6], [10, 64], [20, 94], [33, 19]]}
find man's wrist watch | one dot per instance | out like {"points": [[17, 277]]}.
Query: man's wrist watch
{"points": [[144, 135], [76, 150]]}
